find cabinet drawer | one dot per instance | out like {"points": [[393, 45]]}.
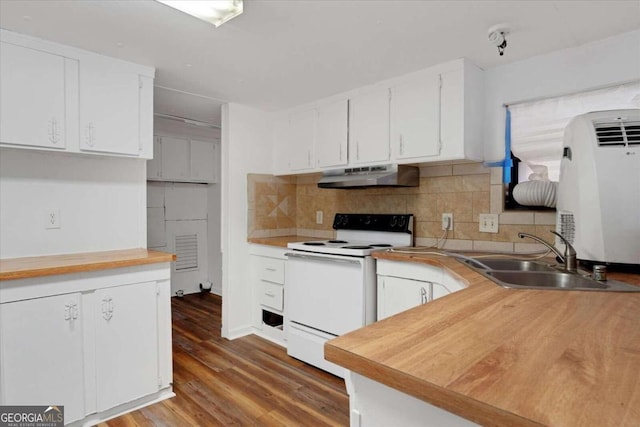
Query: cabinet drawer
{"points": [[271, 295], [271, 269]]}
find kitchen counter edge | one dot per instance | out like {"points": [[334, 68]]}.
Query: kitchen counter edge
{"points": [[49, 265]]}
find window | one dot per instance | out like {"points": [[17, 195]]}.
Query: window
{"points": [[537, 128]]}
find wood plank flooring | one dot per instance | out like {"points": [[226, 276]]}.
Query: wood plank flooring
{"points": [[247, 381]]}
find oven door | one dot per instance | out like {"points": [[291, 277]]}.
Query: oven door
{"points": [[326, 292]]}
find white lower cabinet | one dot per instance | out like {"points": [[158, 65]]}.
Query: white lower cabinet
{"points": [[268, 271], [126, 343], [404, 285], [42, 353], [396, 294], [98, 343]]}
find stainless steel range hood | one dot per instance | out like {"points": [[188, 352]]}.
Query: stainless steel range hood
{"points": [[371, 176]]}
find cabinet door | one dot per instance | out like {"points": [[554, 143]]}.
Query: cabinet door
{"points": [[126, 343], [301, 140], [331, 134], [396, 295], [42, 354], [154, 166], [109, 106], [415, 118], [175, 159], [32, 97], [203, 161], [369, 127]]}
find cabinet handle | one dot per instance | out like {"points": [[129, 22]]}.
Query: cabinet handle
{"points": [[90, 135], [423, 296], [358, 150], [70, 311], [54, 134], [107, 308], [401, 145], [270, 269], [270, 294]]}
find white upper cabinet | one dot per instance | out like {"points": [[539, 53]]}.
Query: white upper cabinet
{"points": [[183, 160], [28, 77], [369, 127], [175, 159], [301, 140], [109, 101], [431, 115], [203, 155], [462, 112], [58, 97], [332, 134], [415, 118]]}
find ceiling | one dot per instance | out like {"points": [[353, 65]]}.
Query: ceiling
{"points": [[282, 53]]}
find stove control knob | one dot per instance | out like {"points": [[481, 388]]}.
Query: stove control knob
{"points": [[393, 221], [401, 221], [367, 220]]}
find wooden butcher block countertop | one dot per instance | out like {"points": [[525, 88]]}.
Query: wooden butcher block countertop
{"points": [[23, 268], [281, 241], [508, 357]]}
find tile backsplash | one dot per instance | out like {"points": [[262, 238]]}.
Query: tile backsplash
{"points": [[281, 206]]}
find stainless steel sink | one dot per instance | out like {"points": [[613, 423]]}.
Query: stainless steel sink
{"points": [[521, 274], [556, 280], [507, 264]]}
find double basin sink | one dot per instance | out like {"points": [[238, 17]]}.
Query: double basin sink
{"points": [[525, 274]]}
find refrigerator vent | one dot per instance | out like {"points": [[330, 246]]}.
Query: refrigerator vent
{"points": [[187, 252]]}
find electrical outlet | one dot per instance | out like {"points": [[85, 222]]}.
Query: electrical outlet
{"points": [[447, 221], [319, 217], [489, 223], [52, 218]]}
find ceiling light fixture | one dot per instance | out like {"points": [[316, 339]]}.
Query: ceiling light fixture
{"points": [[216, 12]]}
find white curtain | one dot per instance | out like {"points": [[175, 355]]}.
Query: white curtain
{"points": [[537, 127]]}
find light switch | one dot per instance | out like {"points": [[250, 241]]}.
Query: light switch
{"points": [[488, 223], [319, 218]]}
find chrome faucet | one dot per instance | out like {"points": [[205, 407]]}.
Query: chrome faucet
{"points": [[569, 258]]}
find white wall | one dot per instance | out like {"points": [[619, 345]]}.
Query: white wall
{"points": [[101, 200], [246, 148], [594, 65]]}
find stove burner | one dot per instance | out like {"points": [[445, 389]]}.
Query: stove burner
{"points": [[381, 245], [338, 241], [313, 243], [356, 247]]}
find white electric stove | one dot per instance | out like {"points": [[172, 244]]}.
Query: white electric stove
{"points": [[330, 285]]}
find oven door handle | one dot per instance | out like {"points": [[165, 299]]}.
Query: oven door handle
{"points": [[324, 259]]}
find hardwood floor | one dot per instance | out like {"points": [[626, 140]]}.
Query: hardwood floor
{"points": [[247, 381]]}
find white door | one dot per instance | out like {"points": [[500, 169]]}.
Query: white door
{"points": [[301, 140], [126, 343], [203, 161], [109, 107], [32, 97], [415, 118], [154, 166], [369, 127], [396, 295], [175, 159], [42, 354], [331, 134]]}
